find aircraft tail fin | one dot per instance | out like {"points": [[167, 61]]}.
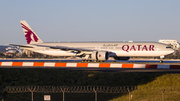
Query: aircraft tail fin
{"points": [[30, 35]]}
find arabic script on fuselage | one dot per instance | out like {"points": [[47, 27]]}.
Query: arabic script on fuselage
{"points": [[109, 45]]}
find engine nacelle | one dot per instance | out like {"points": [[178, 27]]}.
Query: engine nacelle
{"points": [[102, 56], [121, 58]]}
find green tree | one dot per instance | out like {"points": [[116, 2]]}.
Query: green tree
{"points": [[2, 54]]}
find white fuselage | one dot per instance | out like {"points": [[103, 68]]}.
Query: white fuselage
{"points": [[123, 49]]}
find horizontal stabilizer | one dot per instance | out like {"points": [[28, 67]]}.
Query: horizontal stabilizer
{"points": [[21, 46]]}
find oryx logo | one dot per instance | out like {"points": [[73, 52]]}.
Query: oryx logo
{"points": [[29, 34]]}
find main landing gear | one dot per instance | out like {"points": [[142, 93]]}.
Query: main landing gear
{"points": [[92, 61], [161, 59], [86, 61]]}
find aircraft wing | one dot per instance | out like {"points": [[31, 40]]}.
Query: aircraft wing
{"points": [[70, 49], [21, 46], [63, 48]]}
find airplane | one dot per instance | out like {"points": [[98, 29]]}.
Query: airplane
{"points": [[93, 51]]}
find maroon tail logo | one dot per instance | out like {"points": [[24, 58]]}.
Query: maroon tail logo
{"points": [[28, 35]]}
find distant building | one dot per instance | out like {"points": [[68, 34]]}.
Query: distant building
{"points": [[3, 48], [27, 52], [174, 43], [13, 51]]}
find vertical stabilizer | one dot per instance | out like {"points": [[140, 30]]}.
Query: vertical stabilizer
{"points": [[30, 35]]}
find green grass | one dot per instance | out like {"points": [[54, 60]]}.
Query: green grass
{"points": [[58, 77], [168, 83]]}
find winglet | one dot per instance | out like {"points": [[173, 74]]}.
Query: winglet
{"points": [[30, 35]]}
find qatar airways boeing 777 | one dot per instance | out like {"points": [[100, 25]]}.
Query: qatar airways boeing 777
{"points": [[97, 51]]}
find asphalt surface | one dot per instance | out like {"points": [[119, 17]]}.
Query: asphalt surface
{"points": [[102, 69], [109, 61], [97, 69]]}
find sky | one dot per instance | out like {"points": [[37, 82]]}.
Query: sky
{"points": [[90, 20]]}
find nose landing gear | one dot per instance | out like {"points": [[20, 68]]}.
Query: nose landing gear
{"points": [[161, 61]]}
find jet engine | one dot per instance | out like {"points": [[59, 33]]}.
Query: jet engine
{"points": [[100, 55]]}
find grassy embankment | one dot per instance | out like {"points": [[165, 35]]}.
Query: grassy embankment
{"points": [[57, 77], [166, 86]]}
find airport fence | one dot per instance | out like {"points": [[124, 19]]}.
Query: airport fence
{"points": [[90, 93]]}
